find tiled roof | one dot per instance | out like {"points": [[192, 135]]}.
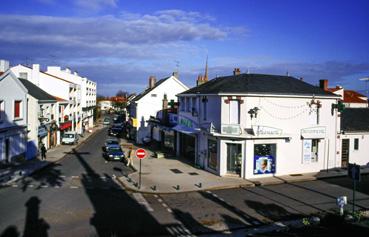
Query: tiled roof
{"points": [[258, 83], [37, 92], [350, 96], [150, 89], [355, 119]]}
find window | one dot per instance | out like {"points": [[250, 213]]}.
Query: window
{"points": [[23, 75], [194, 107], [234, 112], [153, 95], [17, 109], [205, 108], [188, 105], [356, 144], [2, 110]]}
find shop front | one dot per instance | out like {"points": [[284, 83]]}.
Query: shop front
{"points": [[65, 127]]}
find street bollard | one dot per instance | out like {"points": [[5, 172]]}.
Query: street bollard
{"points": [[177, 187], [153, 188], [341, 202]]}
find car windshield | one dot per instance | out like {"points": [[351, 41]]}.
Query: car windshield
{"points": [[115, 149], [106, 120], [68, 136], [112, 142]]}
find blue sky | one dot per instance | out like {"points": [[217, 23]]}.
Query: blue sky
{"points": [[120, 43]]}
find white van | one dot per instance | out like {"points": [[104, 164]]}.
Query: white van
{"points": [[70, 138]]}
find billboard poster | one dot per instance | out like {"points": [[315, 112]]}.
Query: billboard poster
{"points": [[264, 164]]}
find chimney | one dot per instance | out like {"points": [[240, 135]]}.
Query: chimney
{"points": [[165, 102], [75, 73], [4, 65], [323, 84], [152, 81], [175, 74], [68, 70], [236, 72], [36, 74]]}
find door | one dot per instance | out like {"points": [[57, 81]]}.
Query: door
{"points": [[234, 158], [345, 152], [7, 150]]}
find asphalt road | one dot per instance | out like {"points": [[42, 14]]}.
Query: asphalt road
{"points": [[80, 197]]}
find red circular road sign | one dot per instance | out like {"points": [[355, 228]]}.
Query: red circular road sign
{"points": [[140, 153]]}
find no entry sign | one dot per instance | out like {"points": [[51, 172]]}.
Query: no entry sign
{"points": [[140, 153]]}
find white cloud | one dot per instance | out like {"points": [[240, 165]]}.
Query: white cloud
{"points": [[96, 4]]}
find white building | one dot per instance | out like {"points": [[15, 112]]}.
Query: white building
{"points": [[255, 125], [149, 102], [42, 109], [68, 95], [355, 136], [105, 105], [13, 115], [88, 94]]}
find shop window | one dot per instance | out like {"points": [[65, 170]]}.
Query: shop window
{"points": [[356, 144], [264, 158], [17, 109], [212, 154]]}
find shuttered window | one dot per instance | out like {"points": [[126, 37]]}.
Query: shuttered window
{"points": [[17, 109]]}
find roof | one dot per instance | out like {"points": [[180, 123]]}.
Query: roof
{"points": [[350, 96], [37, 92], [49, 74], [355, 119], [334, 89], [138, 97], [258, 83]]}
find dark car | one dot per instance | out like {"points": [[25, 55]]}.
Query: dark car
{"points": [[114, 153], [110, 142], [115, 131]]}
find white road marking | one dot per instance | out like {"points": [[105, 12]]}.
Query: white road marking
{"points": [[169, 210], [73, 186], [160, 200], [75, 177], [156, 196], [14, 185], [31, 186], [142, 201], [44, 186], [208, 191], [164, 205], [63, 176]]}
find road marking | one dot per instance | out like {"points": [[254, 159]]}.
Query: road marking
{"points": [[31, 186], [44, 186], [164, 205], [160, 200], [63, 176], [57, 186], [169, 210], [208, 191], [142, 201], [73, 186], [156, 196], [75, 177], [14, 185]]}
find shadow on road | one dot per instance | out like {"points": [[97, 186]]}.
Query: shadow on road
{"points": [[34, 225], [51, 176], [346, 182], [116, 213]]}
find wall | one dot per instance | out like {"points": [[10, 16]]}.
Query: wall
{"points": [[359, 156]]}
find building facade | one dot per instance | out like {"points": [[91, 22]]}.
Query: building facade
{"points": [[13, 117], [255, 125], [149, 102]]}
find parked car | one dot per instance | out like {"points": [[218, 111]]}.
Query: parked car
{"points": [[106, 121], [114, 153], [115, 130], [70, 138], [110, 143]]}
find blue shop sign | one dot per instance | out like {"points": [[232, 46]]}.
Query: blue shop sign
{"points": [[173, 119], [42, 132]]}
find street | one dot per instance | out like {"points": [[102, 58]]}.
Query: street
{"points": [[79, 196]]}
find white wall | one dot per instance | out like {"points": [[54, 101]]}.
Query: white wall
{"points": [[148, 105], [360, 156]]}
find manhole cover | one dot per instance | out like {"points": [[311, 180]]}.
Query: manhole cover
{"points": [[193, 173], [176, 171]]}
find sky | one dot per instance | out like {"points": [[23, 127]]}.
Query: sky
{"points": [[119, 44]]}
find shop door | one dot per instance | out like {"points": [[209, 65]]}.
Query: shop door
{"points": [[345, 152], [187, 147], [234, 158]]}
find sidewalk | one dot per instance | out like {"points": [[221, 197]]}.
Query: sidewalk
{"points": [[15, 171], [170, 175]]}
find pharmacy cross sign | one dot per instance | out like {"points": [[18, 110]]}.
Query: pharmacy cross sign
{"points": [[140, 153]]}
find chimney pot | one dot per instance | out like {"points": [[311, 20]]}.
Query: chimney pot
{"points": [[152, 81], [4, 65], [323, 84], [236, 72]]}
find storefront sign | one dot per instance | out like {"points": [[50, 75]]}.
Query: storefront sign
{"points": [[266, 131], [42, 131], [314, 132], [231, 129], [65, 125], [134, 122], [306, 151], [264, 164], [186, 122], [173, 119]]}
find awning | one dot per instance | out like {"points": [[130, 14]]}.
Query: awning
{"points": [[65, 125], [185, 130]]}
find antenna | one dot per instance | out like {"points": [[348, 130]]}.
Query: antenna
{"points": [[366, 79], [177, 65]]}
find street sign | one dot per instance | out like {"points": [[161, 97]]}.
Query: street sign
{"points": [[140, 153], [354, 172]]}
